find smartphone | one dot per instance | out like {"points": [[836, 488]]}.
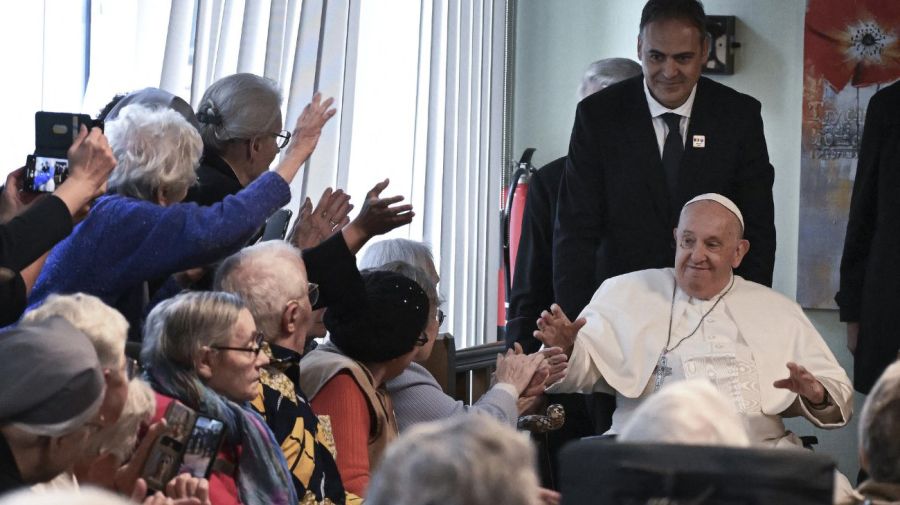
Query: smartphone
{"points": [[54, 132], [277, 225], [190, 444], [202, 447], [43, 174]]}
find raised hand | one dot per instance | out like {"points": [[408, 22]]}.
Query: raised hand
{"points": [[556, 330], [309, 125], [802, 382], [377, 216], [313, 226], [305, 136], [90, 162]]}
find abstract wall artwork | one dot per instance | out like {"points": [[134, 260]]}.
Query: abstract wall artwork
{"points": [[851, 50]]}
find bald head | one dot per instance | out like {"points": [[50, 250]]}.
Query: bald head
{"points": [[271, 279]]}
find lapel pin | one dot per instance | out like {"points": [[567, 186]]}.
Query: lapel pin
{"points": [[699, 141]]}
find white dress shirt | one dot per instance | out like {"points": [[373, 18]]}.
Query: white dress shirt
{"points": [[657, 110]]}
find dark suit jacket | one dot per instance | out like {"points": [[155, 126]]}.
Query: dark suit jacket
{"points": [[532, 286], [870, 267], [614, 216]]}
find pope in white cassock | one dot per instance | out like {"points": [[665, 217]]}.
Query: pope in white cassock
{"points": [[646, 329]]}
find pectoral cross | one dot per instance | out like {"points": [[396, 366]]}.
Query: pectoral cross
{"points": [[661, 371]]}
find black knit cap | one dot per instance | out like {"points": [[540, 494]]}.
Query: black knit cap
{"points": [[394, 315]]}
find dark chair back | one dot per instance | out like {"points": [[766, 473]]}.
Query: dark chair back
{"points": [[602, 472]]}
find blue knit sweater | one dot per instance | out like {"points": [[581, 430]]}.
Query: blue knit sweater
{"points": [[124, 242]]}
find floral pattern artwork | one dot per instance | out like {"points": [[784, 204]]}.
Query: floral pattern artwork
{"points": [[851, 49]]}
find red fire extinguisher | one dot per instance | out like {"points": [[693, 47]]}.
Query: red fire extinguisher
{"points": [[511, 217]]}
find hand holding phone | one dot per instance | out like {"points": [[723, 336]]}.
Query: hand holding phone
{"points": [[91, 159]]}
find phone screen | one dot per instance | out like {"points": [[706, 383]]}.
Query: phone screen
{"points": [[202, 447], [46, 174]]}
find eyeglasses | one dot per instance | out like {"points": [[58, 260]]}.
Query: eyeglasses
{"points": [[282, 138], [132, 368], [440, 317], [312, 291], [259, 341]]}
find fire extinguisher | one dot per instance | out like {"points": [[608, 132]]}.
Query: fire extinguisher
{"points": [[511, 217]]}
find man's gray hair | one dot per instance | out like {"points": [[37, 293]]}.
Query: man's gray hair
{"points": [[689, 412], [879, 427], [464, 460], [603, 73], [382, 252], [266, 276], [239, 106], [156, 150], [103, 325]]}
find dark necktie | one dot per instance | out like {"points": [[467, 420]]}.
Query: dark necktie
{"points": [[671, 157]]}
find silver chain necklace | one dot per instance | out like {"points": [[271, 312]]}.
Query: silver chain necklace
{"points": [[662, 369]]}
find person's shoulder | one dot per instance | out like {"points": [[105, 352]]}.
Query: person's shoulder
{"points": [[551, 172], [615, 95], [647, 281], [764, 294], [708, 89], [886, 100]]}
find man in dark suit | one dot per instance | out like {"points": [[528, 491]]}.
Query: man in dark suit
{"points": [[629, 172], [532, 286], [869, 295]]}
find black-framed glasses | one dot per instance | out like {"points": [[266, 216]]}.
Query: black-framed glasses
{"points": [[422, 339], [259, 341], [282, 138], [440, 317]]}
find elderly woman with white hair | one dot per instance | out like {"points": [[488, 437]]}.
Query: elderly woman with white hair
{"points": [[140, 232], [463, 460], [107, 331], [690, 412]]}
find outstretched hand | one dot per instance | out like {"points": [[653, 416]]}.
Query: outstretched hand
{"points": [[802, 382], [556, 330], [549, 372], [305, 136], [377, 217], [313, 226], [517, 369]]}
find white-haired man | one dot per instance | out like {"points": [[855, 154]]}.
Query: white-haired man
{"points": [[699, 320], [271, 279]]}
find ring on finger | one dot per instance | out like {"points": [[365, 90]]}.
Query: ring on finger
{"points": [[332, 223]]}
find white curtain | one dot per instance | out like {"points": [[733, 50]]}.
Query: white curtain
{"points": [[463, 51]]}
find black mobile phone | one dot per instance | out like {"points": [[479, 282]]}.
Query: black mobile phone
{"points": [[277, 225], [54, 132], [202, 447]]}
